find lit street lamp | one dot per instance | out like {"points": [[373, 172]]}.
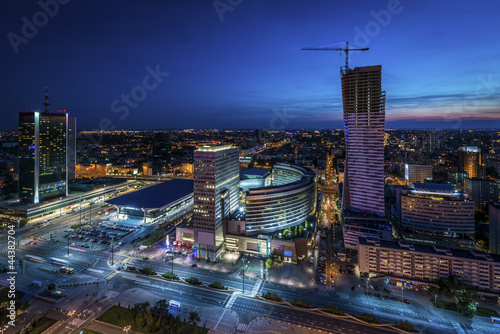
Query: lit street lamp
{"points": [[435, 301]]}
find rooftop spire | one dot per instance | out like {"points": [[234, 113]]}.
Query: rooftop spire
{"points": [[46, 103]]}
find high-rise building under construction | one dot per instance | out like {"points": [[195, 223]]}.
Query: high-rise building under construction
{"points": [[364, 125]]}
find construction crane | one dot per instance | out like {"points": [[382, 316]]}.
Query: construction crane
{"points": [[346, 51]]}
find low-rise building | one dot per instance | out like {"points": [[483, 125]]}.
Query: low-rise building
{"points": [[426, 263]]}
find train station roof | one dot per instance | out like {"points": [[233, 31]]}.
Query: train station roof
{"points": [[158, 196]]}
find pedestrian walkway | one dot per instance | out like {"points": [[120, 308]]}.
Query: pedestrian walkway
{"points": [[256, 287], [231, 301]]}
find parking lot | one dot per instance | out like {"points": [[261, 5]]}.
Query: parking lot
{"points": [[98, 237]]}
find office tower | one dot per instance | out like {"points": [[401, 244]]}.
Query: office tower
{"points": [[364, 123], [494, 215], [469, 160], [456, 179], [417, 173], [216, 197], [432, 213], [259, 133], [71, 148], [43, 149], [161, 152], [481, 191]]}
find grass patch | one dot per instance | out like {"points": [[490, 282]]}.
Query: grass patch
{"points": [[40, 325], [193, 280], [77, 226], [406, 326], [369, 317], [89, 331], [218, 285], [299, 302], [170, 275], [269, 295], [192, 329], [157, 236], [333, 310], [451, 306], [148, 271], [486, 312], [118, 315]]}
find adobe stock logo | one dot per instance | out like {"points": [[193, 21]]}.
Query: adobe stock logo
{"points": [[29, 29], [372, 28]]}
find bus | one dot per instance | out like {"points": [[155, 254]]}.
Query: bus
{"points": [[59, 261], [174, 304], [66, 270], [495, 321], [35, 258]]}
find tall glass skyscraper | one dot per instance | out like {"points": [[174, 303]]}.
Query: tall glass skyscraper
{"points": [[364, 124], [216, 197], [45, 140]]}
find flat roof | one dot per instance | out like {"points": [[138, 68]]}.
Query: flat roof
{"points": [[157, 196], [255, 171], [435, 250], [434, 188]]}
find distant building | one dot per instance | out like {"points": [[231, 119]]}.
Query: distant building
{"points": [[47, 143], [469, 160], [426, 263], [216, 197], [481, 191], [417, 173], [161, 152], [364, 123], [259, 136], [494, 215], [456, 179], [434, 213]]}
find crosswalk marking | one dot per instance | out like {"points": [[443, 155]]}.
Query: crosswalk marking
{"points": [[256, 287], [242, 327], [111, 275], [231, 301]]}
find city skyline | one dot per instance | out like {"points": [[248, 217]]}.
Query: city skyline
{"points": [[240, 66]]}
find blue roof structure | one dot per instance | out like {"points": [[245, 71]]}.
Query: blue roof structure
{"points": [[157, 196], [441, 188]]}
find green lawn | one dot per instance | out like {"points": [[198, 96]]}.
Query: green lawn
{"points": [[486, 312], [446, 305], [42, 325], [481, 311], [89, 331], [117, 315]]}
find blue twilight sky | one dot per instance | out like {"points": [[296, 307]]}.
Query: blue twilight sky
{"points": [[238, 63]]}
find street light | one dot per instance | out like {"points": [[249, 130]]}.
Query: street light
{"points": [[435, 302]]}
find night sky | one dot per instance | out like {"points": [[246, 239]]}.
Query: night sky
{"points": [[240, 65]]}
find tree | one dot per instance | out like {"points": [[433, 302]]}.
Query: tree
{"points": [[23, 222], [194, 317], [465, 303]]}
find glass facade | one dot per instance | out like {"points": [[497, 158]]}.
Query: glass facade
{"points": [[42, 156], [287, 203]]}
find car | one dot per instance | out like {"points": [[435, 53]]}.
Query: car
{"points": [[406, 301], [194, 266]]}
